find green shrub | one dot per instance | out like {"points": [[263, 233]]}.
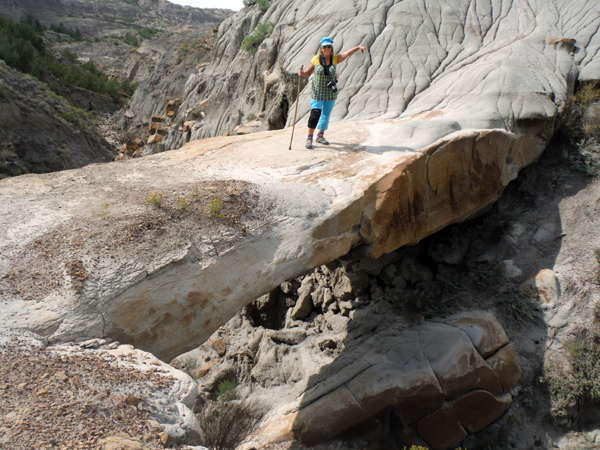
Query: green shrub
{"points": [[588, 93], [596, 312], [226, 391], [426, 302], [188, 363], [262, 4], [581, 384], [181, 202], [250, 117], [71, 56], [155, 199], [584, 157], [73, 33], [146, 33], [22, 48], [215, 208], [260, 33], [519, 308], [227, 424], [71, 117], [580, 130], [131, 39]]}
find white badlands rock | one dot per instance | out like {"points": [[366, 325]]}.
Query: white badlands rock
{"points": [[473, 92]]}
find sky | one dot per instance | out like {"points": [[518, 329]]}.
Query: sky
{"points": [[235, 5]]}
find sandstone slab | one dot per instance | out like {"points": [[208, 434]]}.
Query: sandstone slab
{"points": [[506, 365], [455, 361], [484, 330], [412, 370], [442, 429], [477, 409]]}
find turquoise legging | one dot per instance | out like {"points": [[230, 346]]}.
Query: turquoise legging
{"points": [[326, 108]]}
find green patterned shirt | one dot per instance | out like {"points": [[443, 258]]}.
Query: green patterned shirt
{"points": [[319, 89]]}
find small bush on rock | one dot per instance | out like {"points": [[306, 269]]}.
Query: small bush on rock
{"points": [[228, 424], [519, 308], [579, 384], [580, 129], [215, 208], [260, 33], [262, 4], [155, 199], [226, 391], [182, 203]]}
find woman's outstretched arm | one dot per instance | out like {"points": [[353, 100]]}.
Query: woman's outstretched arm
{"points": [[352, 51]]}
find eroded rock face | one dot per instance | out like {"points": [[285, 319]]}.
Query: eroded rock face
{"points": [[431, 374], [343, 369], [394, 80], [36, 136]]}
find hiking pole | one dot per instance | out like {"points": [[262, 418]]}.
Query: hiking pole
{"points": [[296, 112]]}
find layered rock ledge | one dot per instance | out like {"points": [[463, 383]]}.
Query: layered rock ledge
{"points": [[165, 278]]}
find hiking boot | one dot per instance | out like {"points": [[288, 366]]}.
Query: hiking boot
{"points": [[309, 143], [321, 140]]}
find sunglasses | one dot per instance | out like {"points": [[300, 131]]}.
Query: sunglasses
{"points": [[328, 46]]}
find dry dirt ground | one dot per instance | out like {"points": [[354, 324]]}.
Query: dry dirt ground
{"points": [[191, 214], [59, 399]]}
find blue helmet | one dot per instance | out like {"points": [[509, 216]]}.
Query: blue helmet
{"points": [[326, 41]]}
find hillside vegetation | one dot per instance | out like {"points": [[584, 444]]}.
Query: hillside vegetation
{"points": [[23, 48]]}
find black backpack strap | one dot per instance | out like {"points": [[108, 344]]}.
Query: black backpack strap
{"points": [[325, 66]]}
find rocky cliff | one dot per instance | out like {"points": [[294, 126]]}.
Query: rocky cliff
{"points": [[502, 43], [41, 132], [382, 184], [455, 100]]}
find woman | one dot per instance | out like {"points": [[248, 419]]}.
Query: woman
{"points": [[323, 92]]}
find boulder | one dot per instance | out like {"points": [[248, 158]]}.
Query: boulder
{"points": [[219, 346], [484, 330], [172, 107], [387, 370], [477, 409], [414, 272], [371, 266], [154, 127], [304, 303], [154, 138], [122, 441], [413, 370], [450, 248], [505, 363], [545, 233], [441, 429], [544, 287], [508, 269], [133, 144], [456, 363], [199, 373]]}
